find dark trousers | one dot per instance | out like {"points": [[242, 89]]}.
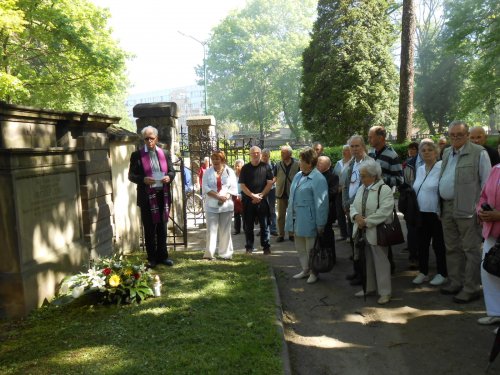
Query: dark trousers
{"points": [[341, 218], [271, 198], [431, 228], [237, 222], [251, 212], [412, 242], [155, 235], [329, 238], [356, 265]]}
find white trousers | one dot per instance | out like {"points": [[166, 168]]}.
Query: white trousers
{"points": [[303, 245], [378, 270], [491, 284], [219, 230]]}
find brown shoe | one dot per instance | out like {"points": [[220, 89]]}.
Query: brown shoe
{"points": [[267, 251]]}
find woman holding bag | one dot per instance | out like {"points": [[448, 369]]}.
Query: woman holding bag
{"points": [[307, 210], [373, 205], [219, 185], [488, 210]]}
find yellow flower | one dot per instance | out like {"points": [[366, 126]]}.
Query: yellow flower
{"points": [[128, 272], [114, 281]]}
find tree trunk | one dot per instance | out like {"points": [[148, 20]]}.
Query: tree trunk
{"points": [[493, 123], [406, 71]]}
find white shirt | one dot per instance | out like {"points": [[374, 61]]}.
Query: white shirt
{"points": [[355, 178], [428, 195]]}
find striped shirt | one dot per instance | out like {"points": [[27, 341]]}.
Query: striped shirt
{"points": [[392, 169]]}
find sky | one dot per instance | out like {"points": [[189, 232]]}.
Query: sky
{"points": [[149, 29]]}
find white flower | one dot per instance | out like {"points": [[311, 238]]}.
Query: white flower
{"points": [[64, 288], [77, 291]]}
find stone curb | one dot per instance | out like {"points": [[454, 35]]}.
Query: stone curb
{"points": [[285, 357]]}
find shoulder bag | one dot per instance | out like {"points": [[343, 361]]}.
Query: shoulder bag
{"points": [[491, 261], [321, 258], [389, 234]]}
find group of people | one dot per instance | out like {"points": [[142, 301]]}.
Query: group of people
{"points": [[301, 199]]}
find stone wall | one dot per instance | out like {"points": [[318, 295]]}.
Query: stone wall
{"points": [[56, 200]]}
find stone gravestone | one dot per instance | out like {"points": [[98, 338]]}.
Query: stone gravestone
{"points": [[55, 200]]}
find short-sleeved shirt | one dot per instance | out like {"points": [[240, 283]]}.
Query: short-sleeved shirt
{"points": [[255, 177]]}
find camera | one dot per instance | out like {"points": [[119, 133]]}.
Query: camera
{"points": [[486, 207]]}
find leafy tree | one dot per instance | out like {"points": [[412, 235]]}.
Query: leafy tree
{"points": [[254, 63], [473, 33], [349, 78], [438, 74], [59, 54]]}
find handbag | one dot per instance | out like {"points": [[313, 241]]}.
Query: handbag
{"points": [[321, 258], [491, 261], [389, 234]]}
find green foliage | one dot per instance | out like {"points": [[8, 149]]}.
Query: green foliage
{"points": [[437, 86], [349, 78], [59, 54], [212, 318], [473, 33], [254, 64]]}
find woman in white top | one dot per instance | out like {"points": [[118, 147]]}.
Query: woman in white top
{"points": [[219, 185], [426, 187]]}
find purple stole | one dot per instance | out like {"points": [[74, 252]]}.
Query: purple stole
{"points": [[151, 192]]}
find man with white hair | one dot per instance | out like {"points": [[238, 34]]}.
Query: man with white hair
{"points": [[464, 172], [351, 186], [286, 169], [256, 180], [152, 170]]}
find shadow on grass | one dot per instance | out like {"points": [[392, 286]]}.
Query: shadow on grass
{"points": [[213, 318]]}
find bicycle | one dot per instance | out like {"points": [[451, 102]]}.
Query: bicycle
{"points": [[194, 204]]}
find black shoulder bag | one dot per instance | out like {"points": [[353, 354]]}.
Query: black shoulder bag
{"points": [[491, 261]]}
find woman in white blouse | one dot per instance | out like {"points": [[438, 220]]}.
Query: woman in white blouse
{"points": [[219, 185], [426, 187]]}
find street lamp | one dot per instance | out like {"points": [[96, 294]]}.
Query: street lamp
{"points": [[204, 45]]}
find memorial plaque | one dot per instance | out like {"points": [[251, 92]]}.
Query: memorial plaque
{"points": [[48, 214]]}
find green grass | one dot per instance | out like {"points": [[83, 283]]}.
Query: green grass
{"points": [[213, 318]]}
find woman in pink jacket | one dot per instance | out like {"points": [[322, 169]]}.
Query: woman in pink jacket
{"points": [[491, 233]]}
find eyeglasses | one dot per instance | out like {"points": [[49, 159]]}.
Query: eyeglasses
{"points": [[457, 136], [149, 139]]}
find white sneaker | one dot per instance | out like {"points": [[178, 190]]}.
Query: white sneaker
{"points": [[420, 279], [360, 294], [312, 278], [438, 280], [301, 275], [488, 320]]}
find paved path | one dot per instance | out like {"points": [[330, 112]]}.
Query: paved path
{"points": [[329, 331]]}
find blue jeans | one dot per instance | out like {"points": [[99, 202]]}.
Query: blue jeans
{"points": [[271, 198]]}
